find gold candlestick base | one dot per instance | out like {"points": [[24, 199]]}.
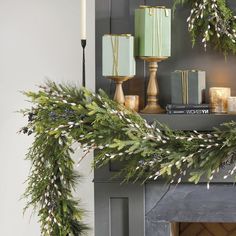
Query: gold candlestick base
{"points": [[119, 94], [153, 106]]}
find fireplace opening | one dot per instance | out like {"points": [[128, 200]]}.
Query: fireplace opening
{"points": [[203, 229]]}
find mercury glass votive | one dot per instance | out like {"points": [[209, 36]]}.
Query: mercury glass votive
{"points": [[219, 99], [132, 102], [232, 105]]}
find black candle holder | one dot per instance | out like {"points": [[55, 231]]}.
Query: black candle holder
{"points": [[83, 44]]}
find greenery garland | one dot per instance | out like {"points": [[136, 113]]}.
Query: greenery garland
{"points": [[213, 23], [62, 114]]}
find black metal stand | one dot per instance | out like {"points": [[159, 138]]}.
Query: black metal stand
{"points": [[83, 44]]}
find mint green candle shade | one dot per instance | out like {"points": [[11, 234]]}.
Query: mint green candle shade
{"points": [[118, 56], [153, 32]]}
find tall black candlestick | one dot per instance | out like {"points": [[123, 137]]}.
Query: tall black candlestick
{"points": [[83, 44]]}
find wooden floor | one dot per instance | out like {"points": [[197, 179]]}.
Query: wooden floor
{"points": [[207, 229]]}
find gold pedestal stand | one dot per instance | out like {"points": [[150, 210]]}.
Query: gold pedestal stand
{"points": [[153, 106], [119, 94]]}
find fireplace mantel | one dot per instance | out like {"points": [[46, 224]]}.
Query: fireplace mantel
{"points": [[135, 209], [138, 210], [187, 203], [150, 208]]}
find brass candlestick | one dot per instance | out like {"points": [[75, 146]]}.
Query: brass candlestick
{"points": [[153, 88], [119, 94]]}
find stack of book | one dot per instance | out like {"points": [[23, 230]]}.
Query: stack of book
{"points": [[201, 109]]}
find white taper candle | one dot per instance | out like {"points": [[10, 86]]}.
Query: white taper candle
{"points": [[83, 19]]}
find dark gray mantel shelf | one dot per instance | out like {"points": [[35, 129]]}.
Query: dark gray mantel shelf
{"points": [[190, 122]]}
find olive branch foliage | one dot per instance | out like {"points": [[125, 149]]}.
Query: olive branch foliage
{"points": [[63, 114], [213, 23]]}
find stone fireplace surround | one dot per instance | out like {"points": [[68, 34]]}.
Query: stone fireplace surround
{"points": [[187, 203], [154, 208], [151, 209]]}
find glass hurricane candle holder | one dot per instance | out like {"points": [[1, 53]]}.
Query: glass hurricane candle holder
{"points": [[219, 99], [232, 105], [132, 102]]}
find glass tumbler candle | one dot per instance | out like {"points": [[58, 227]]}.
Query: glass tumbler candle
{"points": [[232, 105], [132, 102], [219, 99]]}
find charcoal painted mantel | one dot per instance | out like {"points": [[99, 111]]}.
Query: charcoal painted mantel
{"points": [[187, 203], [135, 209], [138, 210]]}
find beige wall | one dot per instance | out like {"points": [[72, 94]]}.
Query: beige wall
{"points": [[38, 39]]}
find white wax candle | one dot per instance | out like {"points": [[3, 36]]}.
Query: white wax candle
{"points": [[83, 19], [232, 105]]}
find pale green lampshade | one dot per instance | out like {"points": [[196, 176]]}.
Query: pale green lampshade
{"points": [[118, 55], [153, 32]]}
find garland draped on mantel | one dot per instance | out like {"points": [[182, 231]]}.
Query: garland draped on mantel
{"points": [[62, 114]]}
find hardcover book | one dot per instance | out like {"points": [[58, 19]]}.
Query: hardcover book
{"points": [[189, 112], [187, 106]]}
